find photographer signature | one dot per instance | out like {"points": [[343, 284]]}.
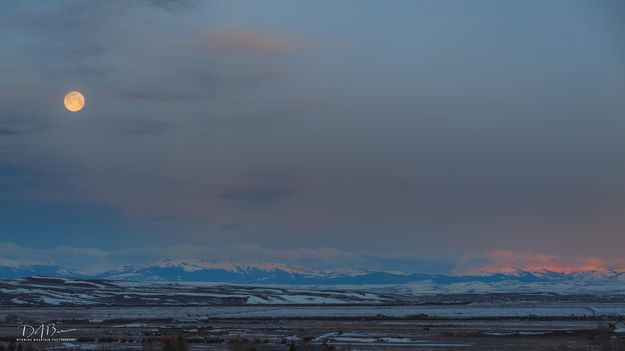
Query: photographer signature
{"points": [[43, 330]]}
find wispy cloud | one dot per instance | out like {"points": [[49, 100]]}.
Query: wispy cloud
{"points": [[7, 131], [172, 5], [240, 42], [256, 194]]}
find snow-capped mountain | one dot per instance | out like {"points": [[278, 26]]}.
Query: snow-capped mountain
{"points": [[209, 271], [275, 273], [20, 271]]}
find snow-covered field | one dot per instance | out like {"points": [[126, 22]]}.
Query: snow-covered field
{"points": [[75, 292], [40, 291], [118, 315]]}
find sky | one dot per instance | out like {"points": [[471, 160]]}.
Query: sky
{"points": [[438, 136]]}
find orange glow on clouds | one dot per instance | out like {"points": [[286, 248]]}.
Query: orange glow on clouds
{"points": [[245, 42], [504, 261]]}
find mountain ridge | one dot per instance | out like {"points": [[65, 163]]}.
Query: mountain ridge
{"points": [[276, 273]]}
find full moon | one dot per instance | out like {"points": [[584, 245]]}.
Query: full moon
{"points": [[74, 101]]}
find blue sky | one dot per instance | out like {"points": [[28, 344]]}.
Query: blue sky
{"points": [[403, 128]]}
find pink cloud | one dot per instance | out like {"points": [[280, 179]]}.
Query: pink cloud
{"points": [[246, 42], [504, 261]]}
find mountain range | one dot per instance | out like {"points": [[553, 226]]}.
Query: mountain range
{"points": [[270, 273]]}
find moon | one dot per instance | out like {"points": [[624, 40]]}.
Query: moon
{"points": [[74, 101]]}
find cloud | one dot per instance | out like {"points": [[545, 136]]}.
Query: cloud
{"points": [[232, 226], [509, 261], [138, 126], [258, 194], [154, 105], [27, 183], [166, 95], [173, 5], [61, 255], [8, 263], [239, 42], [7, 131], [14, 131]]}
